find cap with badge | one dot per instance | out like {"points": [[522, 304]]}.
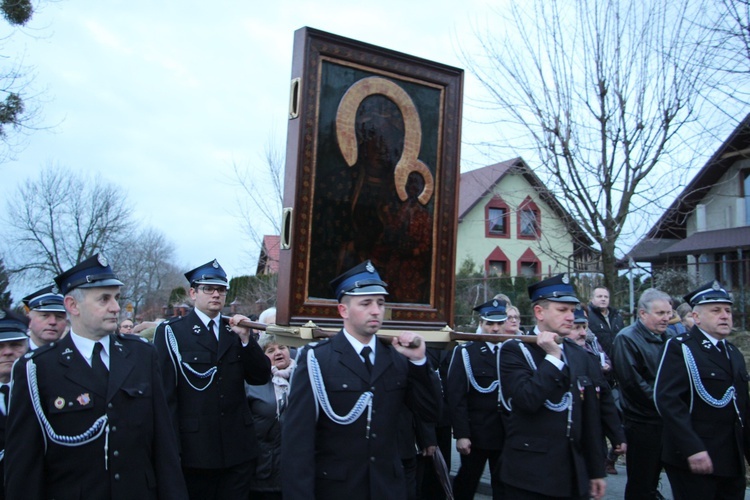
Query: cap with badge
{"points": [[580, 315], [210, 273], [710, 293], [48, 299], [362, 279], [93, 272], [493, 310], [12, 326], [556, 289]]}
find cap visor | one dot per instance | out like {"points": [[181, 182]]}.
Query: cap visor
{"points": [[211, 282], [9, 336], [368, 290], [101, 283], [568, 298], [50, 308], [495, 318]]}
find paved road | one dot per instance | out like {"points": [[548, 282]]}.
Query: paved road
{"points": [[615, 484]]}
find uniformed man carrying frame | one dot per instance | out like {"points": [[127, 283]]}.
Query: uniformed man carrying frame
{"points": [[206, 359], [340, 431]]}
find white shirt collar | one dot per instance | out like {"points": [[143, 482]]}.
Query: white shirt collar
{"points": [[205, 319], [713, 340], [357, 345], [86, 347], [32, 345]]}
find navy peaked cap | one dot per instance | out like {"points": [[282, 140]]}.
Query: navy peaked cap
{"points": [[93, 272], [557, 289], [48, 298], [210, 273], [12, 326], [493, 310], [710, 293], [362, 279]]}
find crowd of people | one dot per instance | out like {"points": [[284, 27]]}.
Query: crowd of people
{"points": [[206, 408]]}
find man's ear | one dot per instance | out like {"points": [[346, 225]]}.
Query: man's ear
{"points": [[343, 310], [71, 305]]}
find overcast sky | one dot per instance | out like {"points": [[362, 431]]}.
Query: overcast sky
{"points": [[162, 97]]}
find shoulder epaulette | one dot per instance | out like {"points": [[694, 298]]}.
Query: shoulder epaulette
{"points": [[131, 336], [40, 350], [315, 345], [172, 320]]}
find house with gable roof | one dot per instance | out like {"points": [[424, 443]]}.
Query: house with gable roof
{"points": [[511, 224], [268, 262], [706, 230]]}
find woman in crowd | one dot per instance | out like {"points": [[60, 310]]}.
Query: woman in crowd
{"points": [[512, 325], [267, 403]]}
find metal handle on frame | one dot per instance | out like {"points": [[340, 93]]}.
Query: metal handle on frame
{"points": [[294, 94], [286, 228]]}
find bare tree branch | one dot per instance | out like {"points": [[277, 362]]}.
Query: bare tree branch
{"points": [[602, 92]]}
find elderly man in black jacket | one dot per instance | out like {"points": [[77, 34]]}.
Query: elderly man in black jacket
{"points": [[636, 354]]}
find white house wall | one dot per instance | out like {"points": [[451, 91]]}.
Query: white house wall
{"points": [[553, 249], [721, 203]]}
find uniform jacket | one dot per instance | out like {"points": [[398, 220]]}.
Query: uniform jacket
{"points": [[142, 459], [605, 331], [3, 423], [475, 415], [703, 428], [215, 426], [540, 453], [635, 356], [325, 460], [263, 406], [611, 419]]}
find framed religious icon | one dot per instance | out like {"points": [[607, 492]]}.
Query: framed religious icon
{"points": [[372, 172]]}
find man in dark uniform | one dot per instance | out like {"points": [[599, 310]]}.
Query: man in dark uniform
{"points": [[340, 434], [205, 360], [88, 417], [473, 404], [553, 435], [13, 345], [47, 318], [701, 392]]}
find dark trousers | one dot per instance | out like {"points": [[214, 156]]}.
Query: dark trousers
{"points": [[410, 476], [689, 486], [513, 493], [472, 466], [231, 483], [428, 482], [643, 461]]}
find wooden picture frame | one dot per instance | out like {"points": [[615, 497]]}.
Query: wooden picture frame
{"points": [[372, 172]]}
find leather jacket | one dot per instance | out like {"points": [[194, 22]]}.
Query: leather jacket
{"points": [[605, 331], [636, 356]]}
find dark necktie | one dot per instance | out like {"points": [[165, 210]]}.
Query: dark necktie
{"points": [[494, 349], [365, 353], [4, 390], [721, 347], [101, 374]]}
